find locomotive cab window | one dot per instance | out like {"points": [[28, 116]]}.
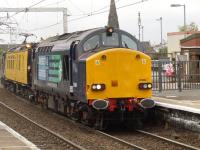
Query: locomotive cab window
{"points": [[92, 43], [127, 42], [112, 40]]}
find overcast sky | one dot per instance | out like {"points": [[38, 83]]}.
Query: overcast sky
{"points": [[39, 23]]}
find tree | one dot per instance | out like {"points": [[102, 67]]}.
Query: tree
{"points": [[1, 50], [162, 52], [188, 28]]}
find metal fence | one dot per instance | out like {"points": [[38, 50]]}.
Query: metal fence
{"points": [[175, 75]]}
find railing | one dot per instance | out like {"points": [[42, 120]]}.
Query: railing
{"points": [[175, 75]]}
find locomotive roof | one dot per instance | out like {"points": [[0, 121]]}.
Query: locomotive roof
{"points": [[62, 42]]}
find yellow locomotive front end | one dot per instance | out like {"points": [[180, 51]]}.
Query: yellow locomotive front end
{"points": [[119, 78]]}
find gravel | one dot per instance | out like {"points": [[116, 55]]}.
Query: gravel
{"points": [[147, 142], [174, 133], [90, 139], [38, 136], [87, 138]]}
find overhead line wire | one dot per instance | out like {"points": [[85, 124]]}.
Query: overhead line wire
{"points": [[24, 10], [89, 15]]}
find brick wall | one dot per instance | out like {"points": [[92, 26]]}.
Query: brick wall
{"points": [[192, 42]]}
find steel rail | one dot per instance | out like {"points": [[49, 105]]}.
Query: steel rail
{"points": [[168, 140], [45, 129], [122, 141]]}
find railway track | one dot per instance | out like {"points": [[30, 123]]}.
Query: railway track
{"points": [[186, 146], [122, 141], [105, 142], [52, 136], [144, 140], [87, 138], [42, 137]]}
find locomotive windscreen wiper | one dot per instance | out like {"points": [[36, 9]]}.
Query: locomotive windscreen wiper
{"points": [[126, 45], [93, 49]]}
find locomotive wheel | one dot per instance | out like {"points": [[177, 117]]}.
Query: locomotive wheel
{"points": [[100, 122], [44, 104], [86, 116], [73, 113], [68, 111]]}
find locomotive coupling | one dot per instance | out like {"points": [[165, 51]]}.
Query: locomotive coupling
{"points": [[147, 103], [100, 104]]}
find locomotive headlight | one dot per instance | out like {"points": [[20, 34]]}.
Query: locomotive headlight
{"points": [[145, 86], [28, 45], [98, 87]]}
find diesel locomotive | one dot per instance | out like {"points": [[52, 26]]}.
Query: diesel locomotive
{"points": [[95, 76]]}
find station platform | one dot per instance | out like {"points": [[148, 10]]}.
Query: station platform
{"points": [[188, 100], [11, 140]]}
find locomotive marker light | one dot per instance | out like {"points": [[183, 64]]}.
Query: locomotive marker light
{"points": [[94, 87], [150, 86], [145, 86], [110, 31], [98, 87]]}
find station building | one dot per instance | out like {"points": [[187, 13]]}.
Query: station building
{"points": [[174, 44], [190, 47]]}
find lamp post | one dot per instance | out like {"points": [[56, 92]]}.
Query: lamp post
{"points": [[161, 29], [142, 33], [179, 5]]}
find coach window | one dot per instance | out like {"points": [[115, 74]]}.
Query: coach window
{"points": [[22, 61], [12, 63], [127, 42], [91, 43], [7, 64], [112, 40], [19, 61]]}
